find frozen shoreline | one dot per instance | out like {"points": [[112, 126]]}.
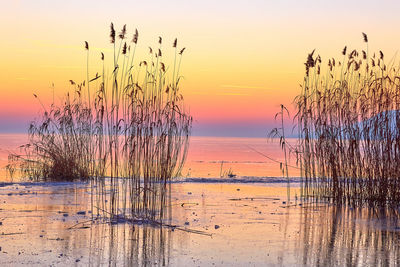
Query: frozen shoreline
{"points": [[237, 180], [245, 224]]}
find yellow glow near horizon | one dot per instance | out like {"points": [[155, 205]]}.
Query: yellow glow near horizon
{"points": [[243, 58]]}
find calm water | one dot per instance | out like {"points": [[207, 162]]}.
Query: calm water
{"points": [[236, 224], [208, 157], [233, 223], [242, 155]]}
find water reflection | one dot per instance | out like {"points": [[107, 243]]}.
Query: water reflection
{"points": [[128, 245], [44, 225], [344, 236], [52, 225]]}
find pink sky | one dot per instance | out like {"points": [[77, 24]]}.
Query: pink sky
{"points": [[243, 59]]}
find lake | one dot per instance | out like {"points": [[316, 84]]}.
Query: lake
{"points": [[245, 220]]}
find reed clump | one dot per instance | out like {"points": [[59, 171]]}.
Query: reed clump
{"points": [[126, 130], [60, 144], [348, 116]]}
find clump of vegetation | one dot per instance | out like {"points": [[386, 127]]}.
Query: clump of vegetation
{"points": [[126, 130], [226, 173], [349, 128], [60, 144]]}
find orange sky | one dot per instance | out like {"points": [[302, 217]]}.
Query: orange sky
{"points": [[243, 58]]}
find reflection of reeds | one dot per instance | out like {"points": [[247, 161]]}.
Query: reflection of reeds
{"points": [[133, 128], [349, 123], [126, 245], [340, 236]]}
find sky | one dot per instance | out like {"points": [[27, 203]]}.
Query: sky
{"points": [[242, 60]]}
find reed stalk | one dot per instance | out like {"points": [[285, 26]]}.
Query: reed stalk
{"points": [[130, 138], [349, 129]]}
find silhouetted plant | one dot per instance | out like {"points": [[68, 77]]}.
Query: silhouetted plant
{"points": [[129, 137], [349, 129]]}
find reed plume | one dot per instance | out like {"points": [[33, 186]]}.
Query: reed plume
{"points": [[349, 130], [129, 142]]}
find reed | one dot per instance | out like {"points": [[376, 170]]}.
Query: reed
{"points": [[129, 137], [279, 132], [348, 116], [59, 144]]}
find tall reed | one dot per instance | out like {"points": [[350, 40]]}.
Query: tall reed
{"points": [[280, 133], [129, 136], [349, 128], [59, 144]]}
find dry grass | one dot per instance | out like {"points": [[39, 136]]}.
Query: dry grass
{"points": [[59, 144], [349, 120], [127, 132]]}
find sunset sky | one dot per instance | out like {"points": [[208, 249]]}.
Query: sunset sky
{"points": [[243, 58]]}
